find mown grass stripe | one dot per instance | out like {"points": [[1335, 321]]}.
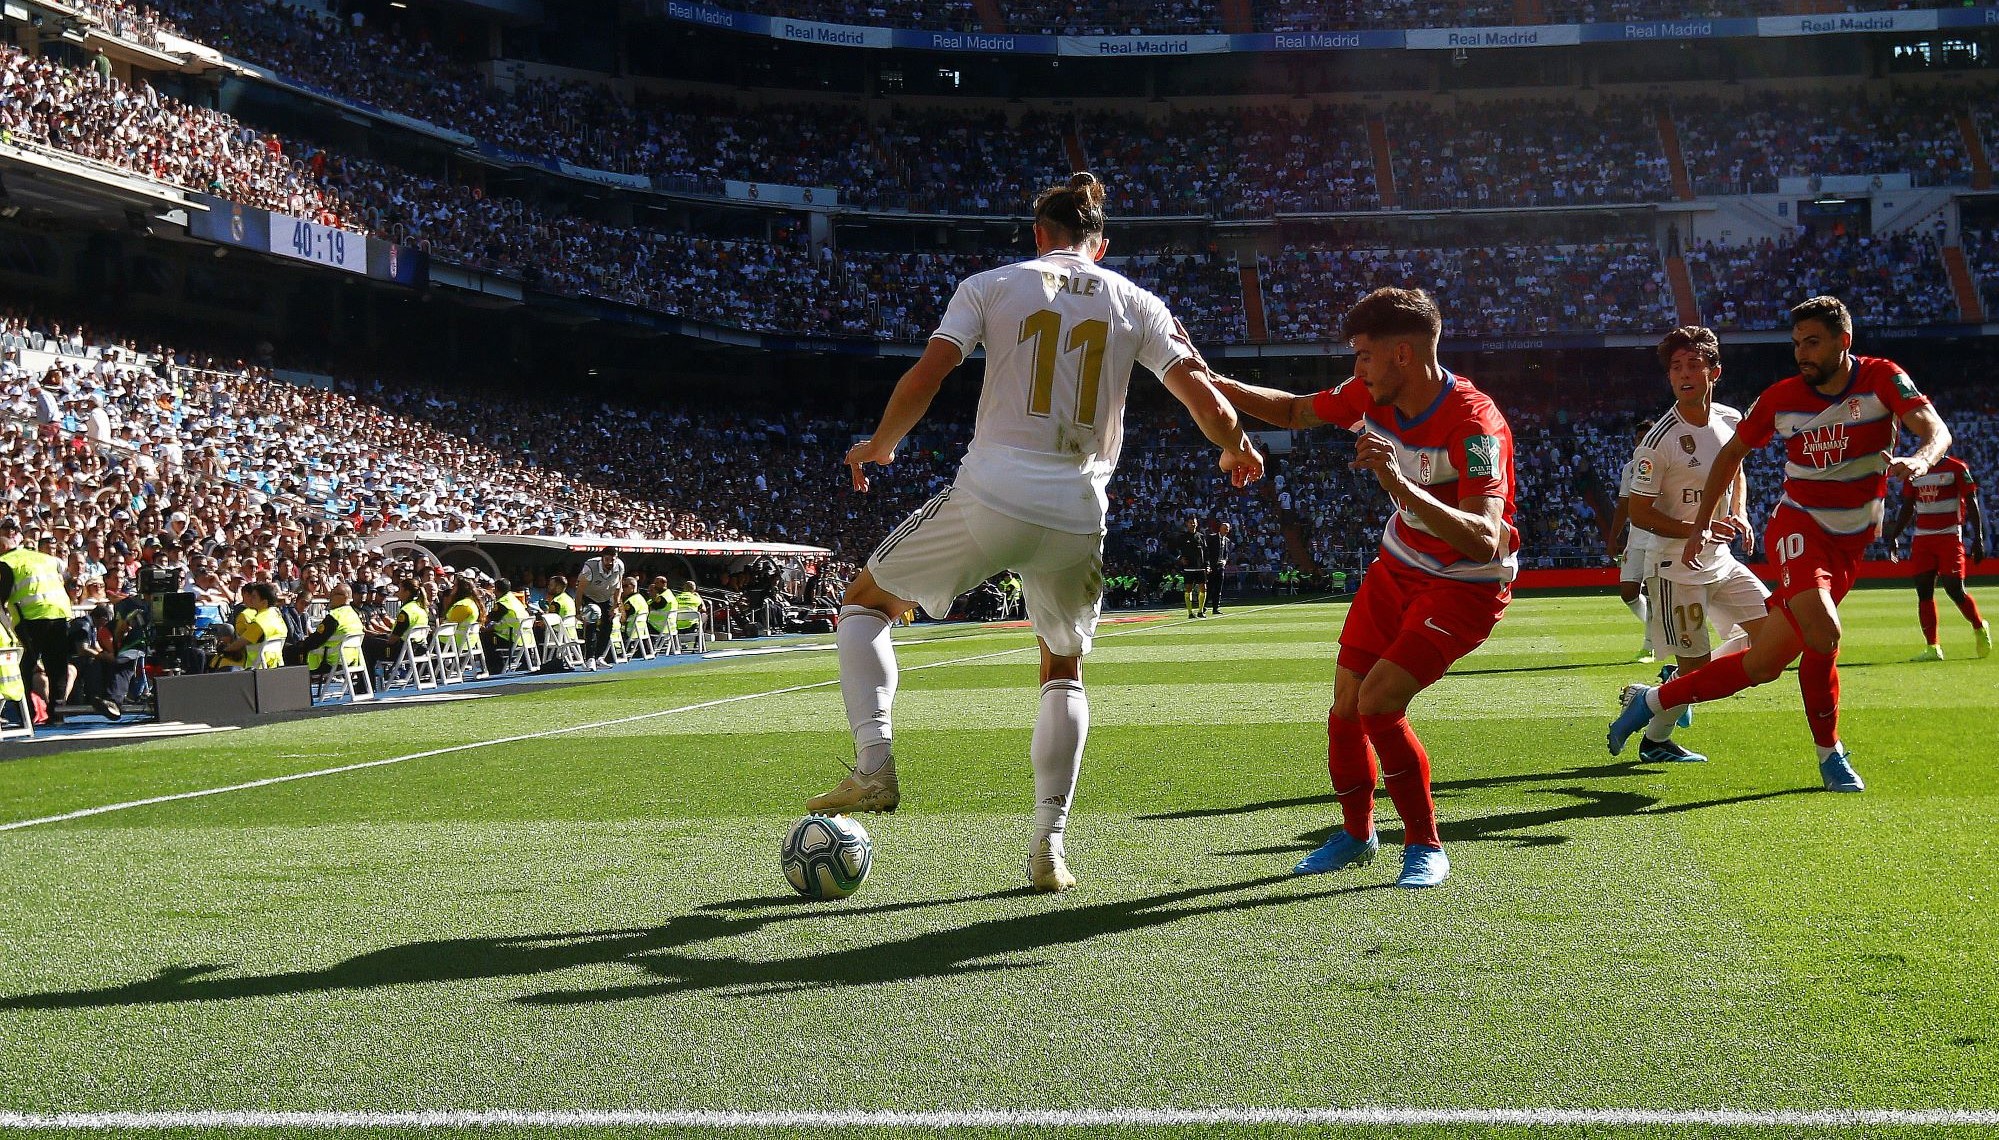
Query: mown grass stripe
{"points": [[1014, 1118]]}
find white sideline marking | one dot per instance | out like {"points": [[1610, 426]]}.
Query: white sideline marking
{"points": [[542, 735], [1015, 1118]]}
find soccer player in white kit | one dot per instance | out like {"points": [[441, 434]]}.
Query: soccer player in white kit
{"points": [[1635, 553], [1061, 334], [1668, 471]]}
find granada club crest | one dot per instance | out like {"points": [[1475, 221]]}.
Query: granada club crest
{"points": [[1853, 410], [1424, 465]]}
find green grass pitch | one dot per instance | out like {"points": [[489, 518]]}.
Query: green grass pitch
{"points": [[596, 919]]}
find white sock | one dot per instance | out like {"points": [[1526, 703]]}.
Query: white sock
{"points": [[1652, 702], [1827, 753], [867, 682], [1735, 644], [1057, 749], [1663, 723], [1641, 609]]}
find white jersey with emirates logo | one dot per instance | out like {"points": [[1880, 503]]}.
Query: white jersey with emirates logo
{"points": [[1061, 334], [1671, 466]]}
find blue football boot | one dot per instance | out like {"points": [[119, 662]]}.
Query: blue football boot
{"points": [[1339, 853], [1634, 717], [1423, 866], [1837, 772]]}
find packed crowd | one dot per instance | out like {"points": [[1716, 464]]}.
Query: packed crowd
{"points": [[1505, 290], [1515, 152], [1745, 147], [1242, 163], [139, 130], [1981, 251], [1885, 279], [1228, 164]]}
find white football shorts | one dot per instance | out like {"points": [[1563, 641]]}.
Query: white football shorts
{"points": [[1681, 613], [953, 543]]}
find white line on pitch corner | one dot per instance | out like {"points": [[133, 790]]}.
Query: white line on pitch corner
{"points": [[542, 735], [1016, 1118]]}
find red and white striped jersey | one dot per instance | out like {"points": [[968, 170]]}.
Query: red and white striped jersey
{"points": [[1940, 496], [1836, 447], [1460, 447]]}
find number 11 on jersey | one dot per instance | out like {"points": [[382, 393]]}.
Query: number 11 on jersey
{"points": [[1091, 337]]}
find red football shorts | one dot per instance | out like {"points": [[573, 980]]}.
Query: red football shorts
{"points": [[1943, 553], [1419, 621], [1808, 558]]}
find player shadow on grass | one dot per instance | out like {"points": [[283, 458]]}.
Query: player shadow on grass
{"points": [[978, 947], [1517, 828], [954, 950], [457, 959]]}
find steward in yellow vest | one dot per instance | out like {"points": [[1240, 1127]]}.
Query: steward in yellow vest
{"points": [[31, 585], [260, 630], [340, 622]]}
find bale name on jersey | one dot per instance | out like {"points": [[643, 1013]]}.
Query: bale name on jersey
{"points": [[1061, 334]]}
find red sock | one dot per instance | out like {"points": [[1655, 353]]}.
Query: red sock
{"points": [[1721, 677], [1926, 612], [1818, 678], [1350, 761], [1969, 609], [1406, 772]]}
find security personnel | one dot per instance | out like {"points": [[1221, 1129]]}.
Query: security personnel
{"points": [[31, 583], [260, 630], [635, 609], [660, 608], [561, 606], [342, 621], [11, 687], [510, 623], [1193, 549], [412, 620], [687, 607]]}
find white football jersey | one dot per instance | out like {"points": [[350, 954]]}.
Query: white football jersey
{"points": [[1061, 333], [1672, 465], [1642, 542]]}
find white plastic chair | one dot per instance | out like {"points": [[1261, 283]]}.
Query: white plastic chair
{"points": [[571, 645], [523, 655], [415, 666], [25, 706], [349, 673], [450, 654], [471, 652]]}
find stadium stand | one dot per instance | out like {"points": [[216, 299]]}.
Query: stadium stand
{"points": [[1886, 279], [1527, 153], [1744, 148], [1494, 290]]}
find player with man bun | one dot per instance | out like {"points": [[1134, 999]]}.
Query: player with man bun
{"points": [[1061, 335]]}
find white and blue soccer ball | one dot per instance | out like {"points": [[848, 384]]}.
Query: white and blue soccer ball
{"points": [[592, 614], [827, 856]]}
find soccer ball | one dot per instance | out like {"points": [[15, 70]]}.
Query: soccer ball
{"points": [[827, 856], [592, 614]]}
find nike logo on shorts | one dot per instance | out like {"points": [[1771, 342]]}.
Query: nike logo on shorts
{"points": [[1432, 623]]}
